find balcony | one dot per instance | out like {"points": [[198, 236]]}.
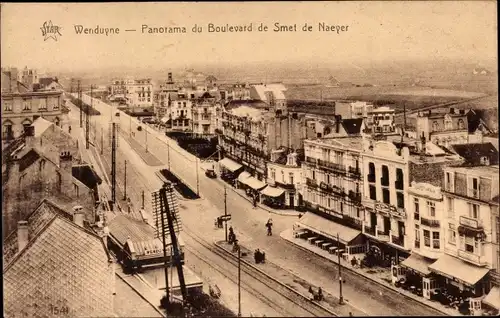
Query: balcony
{"points": [[354, 196], [369, 231], [416, 216], [429, 222], [398, 240], [325, 187], [382, 236], [332, 166], [355, 171], [311, 183], [311, 160], [285, 185], [471, 257], [470, 222]]}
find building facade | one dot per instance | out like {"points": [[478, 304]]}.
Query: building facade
{"points": [[21, 106], [284, 179], [381, 120], [352, 110], [138, 93], [385, 198], [333, 173], [443, 129], [272, 94], [204, 111]]}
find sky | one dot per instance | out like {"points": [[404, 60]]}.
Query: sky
{"points": [[377, 31]]}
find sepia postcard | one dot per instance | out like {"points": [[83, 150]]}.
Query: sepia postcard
{"points": [[250, 159]]}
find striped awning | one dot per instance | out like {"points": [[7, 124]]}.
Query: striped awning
{"points": [[255, 184], [243, 176], [230, 164], [272, 192]]}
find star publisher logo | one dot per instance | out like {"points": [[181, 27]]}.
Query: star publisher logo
{"points": [[50, 31]]}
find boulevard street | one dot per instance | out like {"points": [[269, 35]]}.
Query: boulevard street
{"points": [[248, 222]]}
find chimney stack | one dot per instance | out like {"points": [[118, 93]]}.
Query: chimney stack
{"points": [[22, 234], [78, 215], [13, 80], [170, 80]]}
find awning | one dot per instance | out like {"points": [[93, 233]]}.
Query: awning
{"points": [[255, 184], [164, 119], [328, 228], [272, 192], [243, 176], [418, 263], [493, 298], [230, 164], [453, 267]]}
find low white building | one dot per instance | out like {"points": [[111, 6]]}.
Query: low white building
{"points": [[284, 180]]}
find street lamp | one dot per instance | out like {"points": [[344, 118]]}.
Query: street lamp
{"points": [[146, 131], [341, 298]]}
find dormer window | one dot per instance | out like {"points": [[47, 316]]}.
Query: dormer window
{"points": [[485, 161]]}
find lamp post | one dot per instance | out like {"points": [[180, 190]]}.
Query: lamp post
{"points": [[197, 178], [239, 282], [341, 298], [146, 131]]}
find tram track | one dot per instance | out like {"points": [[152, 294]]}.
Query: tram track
{"points": [[288, 296]]}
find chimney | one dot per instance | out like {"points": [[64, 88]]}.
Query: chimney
{"points": [[66, 167], [338, 118], [452, 110], [78, 216], [13, 80], [22, 234], [170, 77]]}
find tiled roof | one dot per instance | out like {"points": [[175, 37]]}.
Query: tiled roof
{"points": [[474, 119], [473, 153], [352, 126], [278, 90], [37, 220], [65, 266], [86, 175], [28, 159], [123, 227], [46, 81]]}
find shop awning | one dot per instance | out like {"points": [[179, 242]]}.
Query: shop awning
{"points": [[164, 119], [230, 164], [418, 263], [255, 184], [243, 176], [453, 267], [493, 298], [272, 192], [328, 228]]}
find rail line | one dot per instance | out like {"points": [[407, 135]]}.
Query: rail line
{"points": [[298, 300]]}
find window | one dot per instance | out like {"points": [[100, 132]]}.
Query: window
{"points": [[373, 192], [431, 208], [75, 188], [55, 104], [399, 179], [386, 198], [468, 244], [282, 176], [474, 187], [400, 197], [314, 175], [385, 176], [273, 174], [473, 210], [451, 210], [7, 106], [452, 234], [461, 124], [417, 236], [435, 126], [290, 175], [435, 240], [371, 172], [427, 238], [26, 105], [328, 179], [43, 104], [449, 184], [416, 205], [41, 165]]}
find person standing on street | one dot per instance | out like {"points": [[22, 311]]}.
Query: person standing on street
{"points": [[269, 226]]}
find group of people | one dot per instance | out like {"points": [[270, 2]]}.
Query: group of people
{"points": [[316, 296], [260, 257]]}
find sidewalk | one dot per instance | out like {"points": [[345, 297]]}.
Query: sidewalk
{"points": [[148, 158], [286, 278], [377, 275]]}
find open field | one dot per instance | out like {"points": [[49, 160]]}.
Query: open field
{"points": [[435, 92]]}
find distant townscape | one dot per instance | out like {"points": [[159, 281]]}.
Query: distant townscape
{"points": [[340, 198]]}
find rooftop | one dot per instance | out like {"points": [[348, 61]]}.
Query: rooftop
{"points": [[351, 143], [247, 111], [63, 266], [277, 90], [473, 153], [352, 126], [482, 170]]}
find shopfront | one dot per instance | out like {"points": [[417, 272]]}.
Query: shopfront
{"points": [[229, 170], [273, 197], [418, 276]]}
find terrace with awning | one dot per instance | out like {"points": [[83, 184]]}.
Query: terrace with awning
{"points": [[230, 164]]}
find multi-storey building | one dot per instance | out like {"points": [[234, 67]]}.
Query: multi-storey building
{"points": [[162, 99], [469, 244], [21, 105], [271, 94], [204, 110], [250, 134], [333, 173], [443, 129], [138, 93], [351, 110], [284, 178], [381, 120], [180, 112]]}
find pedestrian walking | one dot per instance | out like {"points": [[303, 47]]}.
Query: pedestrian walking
{"points": [[255, 201], [69, 129], [269, 226]]}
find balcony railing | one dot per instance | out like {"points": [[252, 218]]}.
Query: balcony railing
{"points": [[382, 236], [354, 171], [430, 223], [331, 165], [469, 222], [311, 160], [311, 183], [325, 187], [355, 196], [370, 230], [398, 240]]}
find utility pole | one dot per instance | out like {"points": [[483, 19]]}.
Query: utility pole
{"points": [[113, 163], [239, 282], [125, 183], [102, 140], [146, 131], [79, 101], [341, 298], [168, 154], [197, 179], [130, 126], [225, 210], [87, 121]]}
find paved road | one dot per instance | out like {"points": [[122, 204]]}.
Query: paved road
{"points": [[249, 224]]}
